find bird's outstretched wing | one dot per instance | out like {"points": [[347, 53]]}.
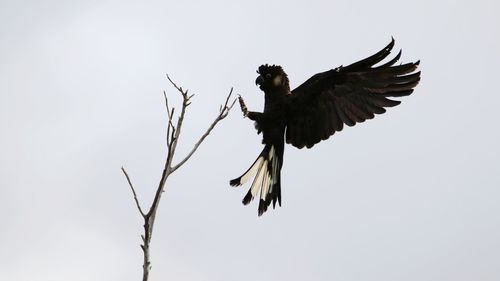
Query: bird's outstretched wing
{"points": [[347, 95]]}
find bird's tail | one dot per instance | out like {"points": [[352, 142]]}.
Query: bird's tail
{"points": [[267, 180]]}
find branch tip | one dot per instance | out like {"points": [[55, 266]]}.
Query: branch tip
{"points": [[223, 112], [133, 192]]}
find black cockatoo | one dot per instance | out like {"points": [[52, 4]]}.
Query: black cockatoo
{"points": [[316, 110]]}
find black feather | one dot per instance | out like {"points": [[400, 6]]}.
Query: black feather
{"points": [[321, 106]]}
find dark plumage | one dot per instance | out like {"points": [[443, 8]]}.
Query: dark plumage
{"points": [[317, 109]]}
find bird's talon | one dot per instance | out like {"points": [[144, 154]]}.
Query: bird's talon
{"points": [[243, 106]]}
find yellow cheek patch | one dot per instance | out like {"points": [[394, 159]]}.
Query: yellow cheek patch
{"points": [[277, 80]]}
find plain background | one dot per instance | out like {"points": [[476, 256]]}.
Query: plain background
{"points": [[411, 195]]}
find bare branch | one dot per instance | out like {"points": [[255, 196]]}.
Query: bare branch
{"points": [[175, 85], [170, 115], [180, 119], [227, 100], [223, 112], [166, 101], [133, 192], [174, 131], [173, 134], [170, 126]]}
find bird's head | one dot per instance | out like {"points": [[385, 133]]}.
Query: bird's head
{"points": [[272, 78]]}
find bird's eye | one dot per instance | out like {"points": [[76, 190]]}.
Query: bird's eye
{"points": [[268, 75]]}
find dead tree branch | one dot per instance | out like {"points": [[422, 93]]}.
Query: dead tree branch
{"points": [[223, 112], [173, 134], [133, 192]]}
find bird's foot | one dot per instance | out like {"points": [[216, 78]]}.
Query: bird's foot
{"points": [[243, 106]]}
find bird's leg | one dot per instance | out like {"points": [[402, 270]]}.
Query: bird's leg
{"points": [[255, 116], [243, 106]]}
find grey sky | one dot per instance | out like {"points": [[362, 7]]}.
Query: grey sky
{"points": [[411, 195]]}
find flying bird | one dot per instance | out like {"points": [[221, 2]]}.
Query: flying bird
{"points": [[317, 109]]}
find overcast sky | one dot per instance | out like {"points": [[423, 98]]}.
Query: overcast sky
{"points": [[411, 195]]}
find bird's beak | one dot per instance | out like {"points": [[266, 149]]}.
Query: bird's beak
{"points": [[259, 80]]}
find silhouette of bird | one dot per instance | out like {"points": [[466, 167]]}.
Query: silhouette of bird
{"points": [[317, 109]]}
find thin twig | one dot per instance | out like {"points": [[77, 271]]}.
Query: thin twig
{"points": [[133, 192], [173, 133], [223, 111], [180, 120], [175, 85], [166, 101], [170, 115], [172, 144]]}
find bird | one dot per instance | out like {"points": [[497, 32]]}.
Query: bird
{"points": [[316, 110]]}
